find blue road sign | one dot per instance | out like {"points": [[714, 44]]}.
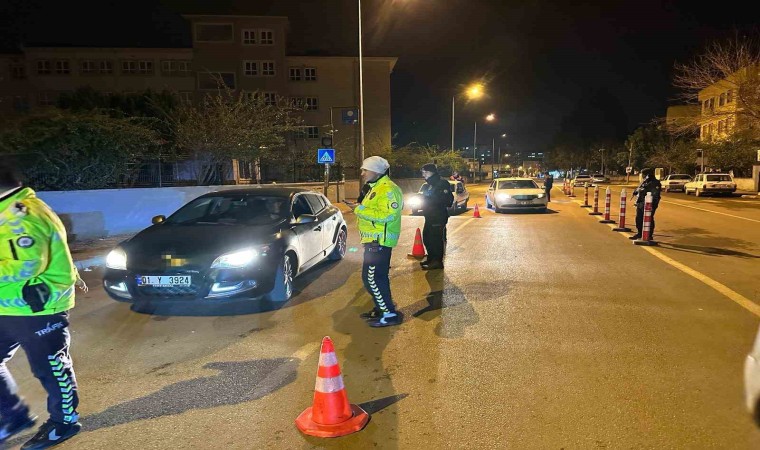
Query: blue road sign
{"points": [[350, 116], [326, 155]]}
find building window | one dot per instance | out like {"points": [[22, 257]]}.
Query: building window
{"points": [[312, 132], [211, 81], [266, 37], [310, 74], [244, 170], [251, 68], [249, 37], [145, 67], [722, 100], [137, 67], [129, 67], [46, 98], [295, 74], [213, 32], [185, 96], [730, 96], [267, 68], [712, 104], [720, 127], [297, 102], [105, 67], [175, 68], [44, 67], [312, 103], [18, 72], [62, 67], [270, 98], [87, 67]]}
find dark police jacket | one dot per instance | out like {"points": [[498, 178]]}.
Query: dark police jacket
{"points": [[437, 199], [652, 185]]}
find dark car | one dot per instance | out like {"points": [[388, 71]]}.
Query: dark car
{"points": [[230, 245], [461, 198]]}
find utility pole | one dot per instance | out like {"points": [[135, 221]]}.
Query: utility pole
{"points": [[629, 169]]}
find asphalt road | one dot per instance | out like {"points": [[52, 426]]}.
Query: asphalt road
{"points": [[544, 331]]}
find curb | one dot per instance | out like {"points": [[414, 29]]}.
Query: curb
{"points": [[85, 264]]}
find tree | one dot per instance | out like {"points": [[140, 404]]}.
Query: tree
{"points": [[407, 160], [731, 65], [226, 125], [60, 150]]}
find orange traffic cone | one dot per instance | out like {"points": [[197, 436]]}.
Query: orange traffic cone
{"points": [[330, 415], [418, 250], [476, 213]]}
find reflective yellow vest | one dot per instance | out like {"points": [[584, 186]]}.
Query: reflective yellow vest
{"points": [[34, 256], [379, 215]]}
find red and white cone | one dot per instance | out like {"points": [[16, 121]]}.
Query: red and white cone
{"points": [[621, 224], [596, 212], [607, 206], [585, 197], [646, 233]]}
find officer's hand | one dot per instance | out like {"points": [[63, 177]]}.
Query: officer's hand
{"points": [[82, 285]]}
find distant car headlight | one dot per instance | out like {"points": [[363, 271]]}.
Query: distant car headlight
{"points": [[502, 197], [541, 195], [117, 259], [239, 259]]}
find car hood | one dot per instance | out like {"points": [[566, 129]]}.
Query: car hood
{"points": [[196, 245], [513, 192]]}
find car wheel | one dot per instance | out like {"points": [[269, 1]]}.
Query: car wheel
{"points": [[697, 192], [283, 281], [340, 246], [544, 210]]}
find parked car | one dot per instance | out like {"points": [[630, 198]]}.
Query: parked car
{"points": [[711, 183], [461, 198], [752, 380], [582, 179], [235, 245], [514, 194], [675, 182], [599, 178]]}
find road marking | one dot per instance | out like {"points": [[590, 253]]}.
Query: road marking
{"points": [[711, 211], [741, 300], [461, 226], [306, 350]]}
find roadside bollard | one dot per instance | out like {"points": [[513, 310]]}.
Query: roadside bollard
{"points": [[565, 189], [571, 189], [621, 223], [596, 212], [607, 206], [585, 197], [646, 233]]}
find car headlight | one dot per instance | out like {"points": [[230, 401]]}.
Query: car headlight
{"points": [[238, 259], [415, 202], [116, 259], [502, 197], [541, 195]]}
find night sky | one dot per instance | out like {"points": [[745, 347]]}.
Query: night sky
{"points": [[553, 68]]}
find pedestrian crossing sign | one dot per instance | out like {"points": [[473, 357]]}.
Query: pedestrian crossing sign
{"points": [[326, 156]]}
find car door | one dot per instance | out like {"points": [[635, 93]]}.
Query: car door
{"points": [[325, 217], [491, 192], [309, 234]]}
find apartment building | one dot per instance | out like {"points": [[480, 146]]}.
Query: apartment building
{"points": [[248, 53], [722, 103]]}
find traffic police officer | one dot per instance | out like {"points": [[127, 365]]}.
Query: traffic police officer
{"points": [[652, 185], [37, 280], [379, 219], [437, 199]]}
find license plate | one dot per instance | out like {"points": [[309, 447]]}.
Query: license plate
{"points": [[164, 280], [526, 202]]}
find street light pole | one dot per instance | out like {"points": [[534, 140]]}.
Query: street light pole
{"points": [[493, 154], [452, 122], [361, 90], [474, 151]]}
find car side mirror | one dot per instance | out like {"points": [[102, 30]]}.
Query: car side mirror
{"points": [[306, 218], [158, 219]]}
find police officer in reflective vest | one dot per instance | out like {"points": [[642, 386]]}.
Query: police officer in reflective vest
{"points": [[437, 198], [37, 280], [379, 219]]}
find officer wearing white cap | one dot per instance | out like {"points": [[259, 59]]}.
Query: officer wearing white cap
{"points": [[379, 219]]}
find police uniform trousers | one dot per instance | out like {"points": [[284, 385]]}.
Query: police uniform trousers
{"points": [[377, 262], [434, 238], [640, 218], [45, 340]]}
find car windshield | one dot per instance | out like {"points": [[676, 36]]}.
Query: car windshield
{"points": [[582, 176], [718, 177], [232, 210], [679, 177], [517, 184]]}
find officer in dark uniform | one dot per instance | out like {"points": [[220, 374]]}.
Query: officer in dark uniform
{"points": [[548, 184], [437, 199], [652, 185]]}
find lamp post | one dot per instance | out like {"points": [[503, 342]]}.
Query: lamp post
{"points": [[601, 150], [361, 89], [498, 157], [490, 118], [474, 92]]}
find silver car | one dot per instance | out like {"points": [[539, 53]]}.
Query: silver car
{"points": [[675, 182], [515, 194]]}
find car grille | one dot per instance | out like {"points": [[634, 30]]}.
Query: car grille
{"points": [[525, 197], [171, 292]]}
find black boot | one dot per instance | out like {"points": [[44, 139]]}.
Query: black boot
{"points": [[634, 237], [10, 426], [372, 314], [387, 320], [51, 434], [433, 265]]}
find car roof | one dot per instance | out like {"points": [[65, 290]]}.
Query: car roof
{"points": [[513, 178], [263, 191], [716, 173]]}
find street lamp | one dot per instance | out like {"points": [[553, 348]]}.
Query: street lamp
{"points": [[601, 150], [490, 118], [473, 92], [361, 89], [498, 157]]}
